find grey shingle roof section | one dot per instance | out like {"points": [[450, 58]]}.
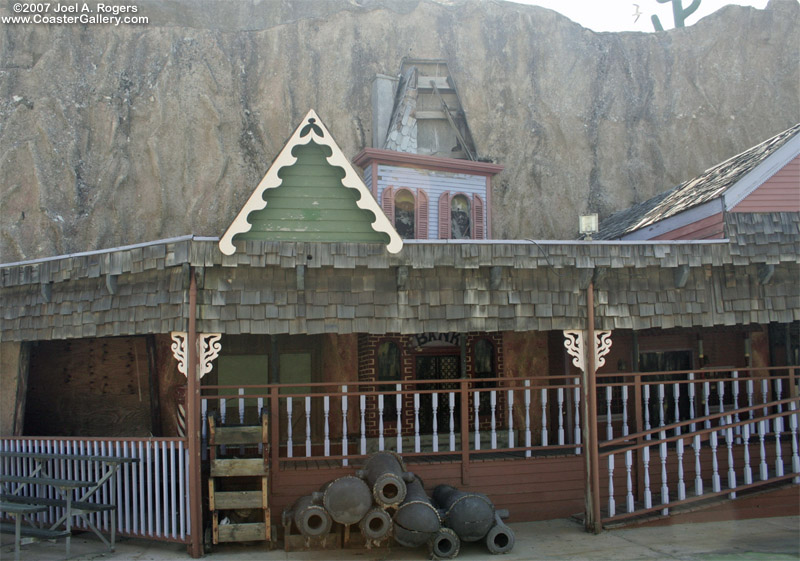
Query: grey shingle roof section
{"points": [[445, 287], [708, 186]]}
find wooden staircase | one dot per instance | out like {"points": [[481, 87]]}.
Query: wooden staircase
{"points": [[238, 487]]}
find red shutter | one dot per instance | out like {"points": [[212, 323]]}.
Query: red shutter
{"points": [[387, 203], [478, 228], [422, 215], [444, 216]]}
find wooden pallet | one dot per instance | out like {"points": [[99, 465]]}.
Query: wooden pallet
{"points": [[238, 485]]}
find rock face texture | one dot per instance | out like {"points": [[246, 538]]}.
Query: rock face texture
{"points": [[112, 135]]}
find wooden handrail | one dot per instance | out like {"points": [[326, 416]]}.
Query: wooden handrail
{"points": [[697, 420]]}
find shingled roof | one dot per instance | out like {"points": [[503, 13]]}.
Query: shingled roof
{"points": [[706, 187]]}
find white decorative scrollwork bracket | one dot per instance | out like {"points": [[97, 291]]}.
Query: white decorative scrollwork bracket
{"points": [[209, 346], [179, 350], [208, 349], [602, 347], [573, 342]]}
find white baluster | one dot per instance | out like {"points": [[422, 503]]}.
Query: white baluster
{"points": [[698, 478], [416, 423], [736, 419], [380, 422], [624, 410], [476, 402], [399, 405], [648, 496], [204, 428], [510, 417], [664, 487], [577, 400], [646, 388], [326, 410], [721, 393], [289, 443], [344, 426], [493, 404], [452, 398], [612, 506], [706, 411], [629, 503], [778, 425], [223, 413], [543, 393], [560, 416], [259, 410], [609, 428], [528, 439], [779, 393], [795, 454], [762, 467], [692, 414], [363, 412], [681, 482], [749, 387], [731, 471], [765, 396], [308, 425], [716, 485], [748, 471], [435, 407], [241, 406], [661, 408], [676, 393]]}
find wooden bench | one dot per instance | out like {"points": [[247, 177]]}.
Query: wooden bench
{"points": [[18, 511]]}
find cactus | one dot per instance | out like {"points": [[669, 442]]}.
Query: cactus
{"points": [[678, 13]]}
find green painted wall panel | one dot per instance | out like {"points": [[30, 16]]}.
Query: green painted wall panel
{"points": [[312, 204]]}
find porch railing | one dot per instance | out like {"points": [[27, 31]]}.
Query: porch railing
{"points": [[465, 417], [673, 439], [151, 494]]}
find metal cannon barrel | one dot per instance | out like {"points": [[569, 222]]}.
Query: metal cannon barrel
{"points": [[387, 477], [444, 544], [311, 519], [416, 521], [376, 524], [470, 515], [500, 538], [346, 499]]}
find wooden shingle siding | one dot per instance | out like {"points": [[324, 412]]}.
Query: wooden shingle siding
{"points": [[446, 287], [435, 184]]}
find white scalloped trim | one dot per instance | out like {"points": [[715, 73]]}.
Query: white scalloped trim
{"points": [[240, 225]]}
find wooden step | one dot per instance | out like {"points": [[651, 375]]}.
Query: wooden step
{"points": [[238, 435], [225, 500], [238, 467], [249, 532]]}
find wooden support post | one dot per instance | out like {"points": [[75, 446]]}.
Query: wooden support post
{"points": [[591, 443], [193, 426]]}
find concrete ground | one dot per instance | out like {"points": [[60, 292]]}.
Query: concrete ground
{"points": [[767, 539]]}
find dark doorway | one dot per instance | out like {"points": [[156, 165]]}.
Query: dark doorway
{"points": [[665, 361], [439, 367]]}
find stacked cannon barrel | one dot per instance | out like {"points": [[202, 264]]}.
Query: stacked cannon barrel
{"points": [[384, 500]]}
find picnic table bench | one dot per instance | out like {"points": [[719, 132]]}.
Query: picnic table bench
{"points": [[17, 504]]}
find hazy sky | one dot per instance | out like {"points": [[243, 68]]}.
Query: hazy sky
{"points": [[620, 15]]}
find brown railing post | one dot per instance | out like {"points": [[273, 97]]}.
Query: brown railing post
{"points": [[464, 432]]}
